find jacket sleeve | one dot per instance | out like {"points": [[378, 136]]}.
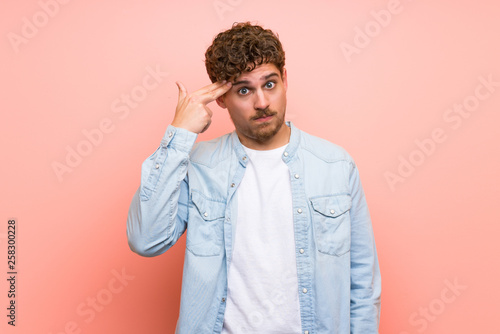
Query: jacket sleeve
{"points": [[158, 213], [365, 272]]}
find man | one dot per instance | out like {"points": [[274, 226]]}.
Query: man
{"points": [[279, 238]]}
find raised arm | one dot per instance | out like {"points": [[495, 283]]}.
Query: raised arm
{"points": [[158, 213]]}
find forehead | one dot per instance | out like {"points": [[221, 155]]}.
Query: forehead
{"points": [[258, 73]]}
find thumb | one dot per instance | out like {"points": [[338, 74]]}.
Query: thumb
{"points": [[182, 91]]}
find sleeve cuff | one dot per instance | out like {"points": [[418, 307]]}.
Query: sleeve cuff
{"points": [[179, 138]]}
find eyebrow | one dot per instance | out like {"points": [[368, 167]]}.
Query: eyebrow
{"points": [[266, 77]]}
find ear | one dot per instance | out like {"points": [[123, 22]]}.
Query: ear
{"points": [[284, 79], [220, 102]]}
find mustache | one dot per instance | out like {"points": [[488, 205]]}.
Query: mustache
{"points": [[264, 113]]}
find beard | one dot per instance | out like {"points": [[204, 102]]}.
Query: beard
{"points": [[250, 129], [267, 130]]}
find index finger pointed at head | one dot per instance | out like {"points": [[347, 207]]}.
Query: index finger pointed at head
{"points": [[211, 87], [216, 93]]}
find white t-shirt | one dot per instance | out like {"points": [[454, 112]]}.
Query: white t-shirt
{"points": [[262, 277]]}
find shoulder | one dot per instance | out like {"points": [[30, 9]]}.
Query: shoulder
{"points": [[212, 152], [323, 149]]}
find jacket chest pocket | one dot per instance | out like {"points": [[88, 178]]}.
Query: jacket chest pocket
{"points": [[205, 225], [332, 223]]}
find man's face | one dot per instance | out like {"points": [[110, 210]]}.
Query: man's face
{"points": [[256, 103]]}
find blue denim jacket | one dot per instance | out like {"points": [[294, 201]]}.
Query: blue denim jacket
{"points": [[193, 187]]}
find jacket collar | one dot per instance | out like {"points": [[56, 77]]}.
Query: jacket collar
{"points": [[289, 153]]}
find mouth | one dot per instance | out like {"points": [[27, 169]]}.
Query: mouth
{"points": [[263, 118]]}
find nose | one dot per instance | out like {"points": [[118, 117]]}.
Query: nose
{"points": [[261, 101]]}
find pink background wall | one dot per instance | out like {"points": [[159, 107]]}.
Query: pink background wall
{"points": [[408, 97]]}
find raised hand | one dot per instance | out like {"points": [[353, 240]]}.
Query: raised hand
{"points": [[192, 112]]}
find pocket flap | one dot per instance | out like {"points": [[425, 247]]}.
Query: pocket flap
{"points": [[209, 209], [332, 206]]}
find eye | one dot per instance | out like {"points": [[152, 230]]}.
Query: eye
{"points": [[243, 91], [270, 84]]}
